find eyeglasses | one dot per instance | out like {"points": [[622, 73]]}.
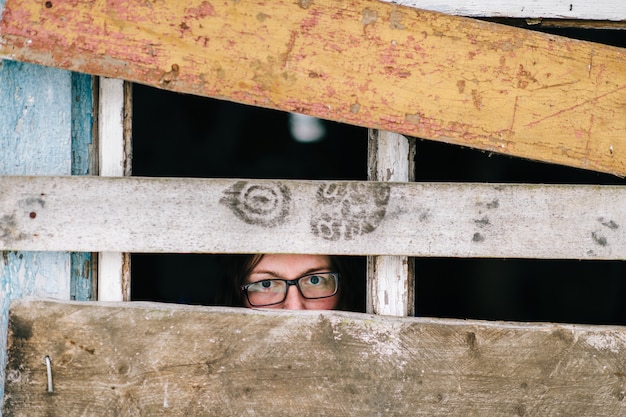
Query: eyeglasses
{"points": [[268, 292]]}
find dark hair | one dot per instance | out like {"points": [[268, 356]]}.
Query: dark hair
{"points": [[350, 268]]}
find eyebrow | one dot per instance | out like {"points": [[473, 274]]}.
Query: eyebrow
{"points": [[274, 274]]}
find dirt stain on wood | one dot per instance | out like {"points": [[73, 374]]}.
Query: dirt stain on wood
{"points": [[599, 239], [266, 205], [477, 99], [461, 86], [348, 210], [305, 4], [478, 238], [395, 20], [170, 76]]}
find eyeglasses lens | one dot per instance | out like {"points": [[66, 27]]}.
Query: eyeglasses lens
{"points": [[318, 286], [266, 292]]}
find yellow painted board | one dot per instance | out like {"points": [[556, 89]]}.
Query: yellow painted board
{"points": [[367, 63]]}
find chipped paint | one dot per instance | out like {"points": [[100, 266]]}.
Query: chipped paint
{"points": [[474, 82]]}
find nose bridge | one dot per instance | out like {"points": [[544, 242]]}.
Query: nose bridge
{"points": [[294, 283], [293, 299]]}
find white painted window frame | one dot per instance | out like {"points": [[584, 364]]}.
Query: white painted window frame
{"points": [[113, 161]]}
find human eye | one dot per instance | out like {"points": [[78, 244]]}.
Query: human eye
{"points": [[266, 285], [317, 280], [318, 285], [266, 292]]}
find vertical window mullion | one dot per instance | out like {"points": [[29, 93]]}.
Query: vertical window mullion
{"points": [[390, 279], [114, 161]]}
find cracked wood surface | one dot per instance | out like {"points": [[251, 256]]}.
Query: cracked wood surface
{"points": [[367, 63], [136, 214], [148, 359]]}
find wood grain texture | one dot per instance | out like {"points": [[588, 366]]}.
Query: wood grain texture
{"points": [[84, 162], [362, 62], [141, 359], [327, 217]]}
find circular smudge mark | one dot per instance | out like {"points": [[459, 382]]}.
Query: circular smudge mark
{"points": [[260, 204], [347, 210]]}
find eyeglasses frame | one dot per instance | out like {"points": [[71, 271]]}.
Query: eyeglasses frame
{"points": [[289, 282]]}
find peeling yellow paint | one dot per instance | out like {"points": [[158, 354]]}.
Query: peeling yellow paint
{"points": [[475, 83]]}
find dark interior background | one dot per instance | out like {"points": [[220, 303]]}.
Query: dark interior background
{"points": [[188, 136]]}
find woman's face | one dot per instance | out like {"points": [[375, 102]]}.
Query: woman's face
{"points": [[290, 267]]}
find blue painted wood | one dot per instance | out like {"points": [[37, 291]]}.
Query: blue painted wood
{"points": [[35, 131], [82, 124], [35, 139], [81, 287]]}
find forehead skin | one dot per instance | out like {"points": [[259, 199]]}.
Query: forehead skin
{"points": [[288, 266]]}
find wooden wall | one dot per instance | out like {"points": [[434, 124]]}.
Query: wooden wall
{"points": [[45, 129], [144, 359], [517, 108]]}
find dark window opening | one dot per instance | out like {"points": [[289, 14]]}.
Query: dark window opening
{"points": [[187, 136]]}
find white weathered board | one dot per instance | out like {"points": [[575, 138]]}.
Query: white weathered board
{"points": [[113, 268], [390, 279], [148, 359], [337, 217], [559, 9]]}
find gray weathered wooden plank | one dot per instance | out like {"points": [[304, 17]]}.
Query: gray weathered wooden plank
{"points": [[337, 217], [147, 359]]}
